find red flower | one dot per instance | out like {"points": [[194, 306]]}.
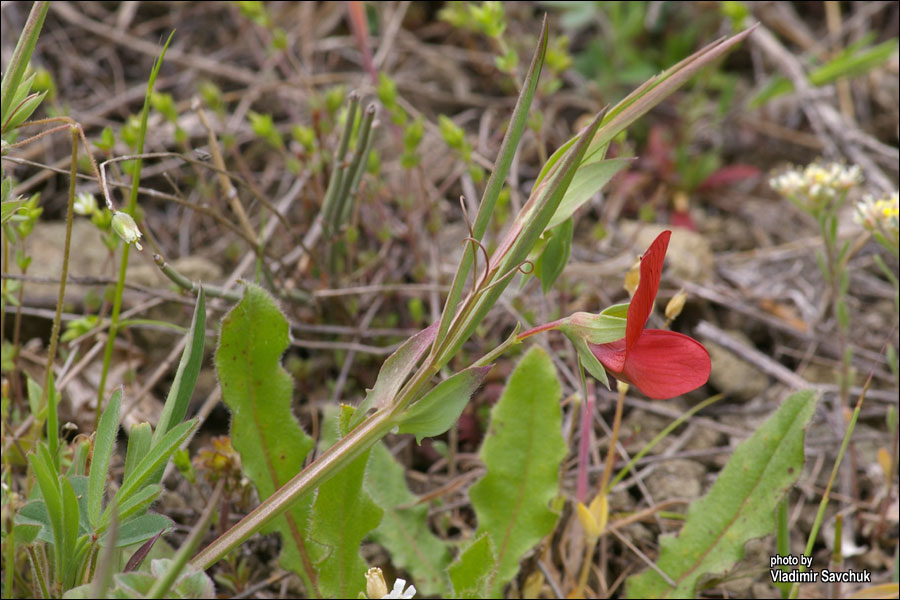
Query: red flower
{"points": [[662, 364]]}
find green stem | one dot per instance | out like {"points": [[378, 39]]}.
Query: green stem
{"points": [[46, 396], [783, 541], [823, 504], [161, 586], [330, 462], [123, 264]]}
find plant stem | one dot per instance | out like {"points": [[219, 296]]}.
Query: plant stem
{"points": [[330, 462], [123, 264], [614, 438], [52, 417]]}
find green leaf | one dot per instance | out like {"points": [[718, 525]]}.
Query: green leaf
{"points": [[21, 111], [439, 409], [475, 569], [10, 207], [25, 533], [264, 430], [186, 376], [138, 502], [138, 447], [394, 372], [404, 530], [13, 72], [34, 514], [492, 190], [851, 62], [645, 97], [104, 444], [589, 179], [71, 518], [522, 452], [341, 517], [522, 236], [590, 362], [154, 460], [48, 484], [556, 253], [141, 528], [739, 507]]}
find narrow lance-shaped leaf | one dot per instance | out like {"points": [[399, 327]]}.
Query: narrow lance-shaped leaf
{"points": [[555, 254], [439, 409], [739, 507], [69, 567], [342, 515], [182, 388], [522, 236], [394, 372], [522, 452], [138, 446], [104, 443], [15, 70], [589, 179], [648, 95], [264, 430], [155, 459], [495, 181], [404, 530]]}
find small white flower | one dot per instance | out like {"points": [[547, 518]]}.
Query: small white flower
{"points": [[882, 213], [788, 183], [85, 204], [399, 592], [126, 228], [844, 178]]}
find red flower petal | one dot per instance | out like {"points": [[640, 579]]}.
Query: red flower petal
{"points": [[610, 355], [642, 303], [664, 364]]}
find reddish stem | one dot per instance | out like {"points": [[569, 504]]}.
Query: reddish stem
{"points": [[539, 329]]}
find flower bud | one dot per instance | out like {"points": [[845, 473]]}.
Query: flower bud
{"points": [[588, 521], [675, 305], [599, 507], [375, 585], [606, 327], [633, 278], [85, 204], [126, 228]]}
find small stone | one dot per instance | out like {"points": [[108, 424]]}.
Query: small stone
{"points": [[733, 376], [676, 478]]}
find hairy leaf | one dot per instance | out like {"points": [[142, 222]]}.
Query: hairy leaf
{"points": [[394, 372], [522, 453], [440, 408], [474, 571], [264, 431], [404, 528], [104, 443], [342, 515], [739, 507], [186, 376]]}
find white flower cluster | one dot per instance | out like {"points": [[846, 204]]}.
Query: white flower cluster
{"points": [[882, 213], [816, 183]]}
